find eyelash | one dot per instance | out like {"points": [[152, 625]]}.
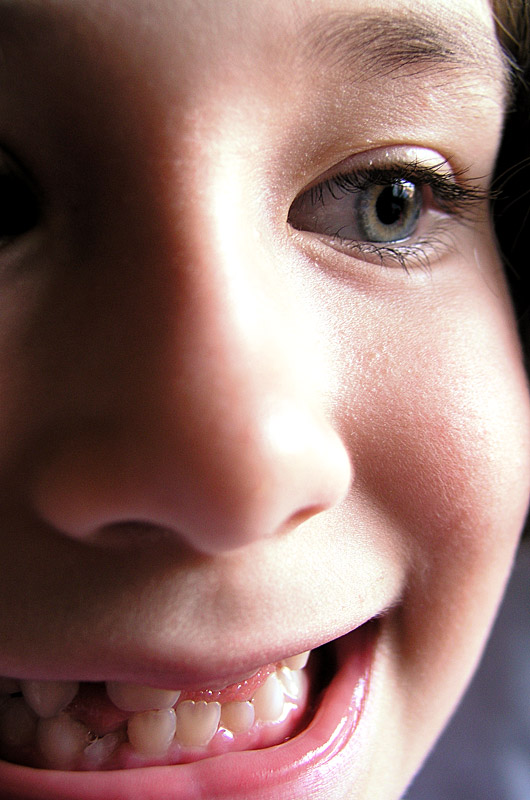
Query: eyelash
{"points": [[451, 195]]}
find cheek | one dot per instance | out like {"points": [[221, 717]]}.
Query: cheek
{"points": [[444, 442], [437, 414]]}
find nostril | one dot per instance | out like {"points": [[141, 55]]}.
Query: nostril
{"points": [[134, 533], [302, 516]]}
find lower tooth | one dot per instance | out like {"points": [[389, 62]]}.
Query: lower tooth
{"points": [[101, 749], [17, 723], [151, 732], [237, 717], [61, 740], [268, 700], [197, 722]]}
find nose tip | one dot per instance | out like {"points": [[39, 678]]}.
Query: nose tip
{"points": [[211, 496], [298, 468]]}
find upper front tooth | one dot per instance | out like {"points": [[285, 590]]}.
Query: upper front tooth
{"points": [[48, 698], [133, 697], [297, 662]]}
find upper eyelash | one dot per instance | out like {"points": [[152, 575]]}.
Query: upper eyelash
{"points": [[453, 197]]}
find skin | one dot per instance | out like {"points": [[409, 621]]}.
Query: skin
{"points": [[235, 430]]}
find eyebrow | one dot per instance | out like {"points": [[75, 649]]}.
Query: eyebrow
{"points": [[382, 45]]}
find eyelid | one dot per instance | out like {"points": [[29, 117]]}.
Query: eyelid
{"points": [[384, 158]]}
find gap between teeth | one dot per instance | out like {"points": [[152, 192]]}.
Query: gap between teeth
{"points": [[158, 720]]}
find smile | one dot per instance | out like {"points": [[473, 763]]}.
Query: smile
{"points": [[72, 726], [65, 740]]}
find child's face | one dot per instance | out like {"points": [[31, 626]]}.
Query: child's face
{"points": [[237, 425]]}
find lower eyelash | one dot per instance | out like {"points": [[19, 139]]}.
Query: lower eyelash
{"points": [[416, 256]]}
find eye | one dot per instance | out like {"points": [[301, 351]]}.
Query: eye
{"points": [[19, 205], [378, 213], [394, 212]]}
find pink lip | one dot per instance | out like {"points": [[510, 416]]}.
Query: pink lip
{"points": [[293, 765]]}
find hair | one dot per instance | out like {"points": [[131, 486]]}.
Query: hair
{"points": [[512, 19], [511, 204]]}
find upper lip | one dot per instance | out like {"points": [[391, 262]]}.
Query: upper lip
{"points": [[185, 675]]}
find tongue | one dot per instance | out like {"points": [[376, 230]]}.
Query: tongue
{"points": [[93, 708]]}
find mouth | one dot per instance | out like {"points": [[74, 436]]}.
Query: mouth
{"points": [[66, 740]]}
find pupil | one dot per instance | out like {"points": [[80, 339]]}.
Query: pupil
{"points": [[391, 203]]}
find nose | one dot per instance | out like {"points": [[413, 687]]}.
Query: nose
{"points": [[214, 426]]}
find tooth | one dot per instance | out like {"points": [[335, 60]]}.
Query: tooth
{"points": [[197, 722], [151, 732], [133, 697], [17, 723], [291, 682], [238, 717], [297, 662], [268, 700], [61, 740], [101, 749], [48, 698]]}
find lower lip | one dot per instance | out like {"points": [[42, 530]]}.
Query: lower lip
{"points": [[285, 770]]}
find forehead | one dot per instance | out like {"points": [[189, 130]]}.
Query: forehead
{"points": [[291, 80], [236, 33]]}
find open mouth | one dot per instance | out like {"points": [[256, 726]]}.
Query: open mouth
{"points": [[81, 726], [107, 731]]}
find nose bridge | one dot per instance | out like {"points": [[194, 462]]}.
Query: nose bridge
{"points": [[221, 438], [239, 394], [244, 340], [221, 333]]}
